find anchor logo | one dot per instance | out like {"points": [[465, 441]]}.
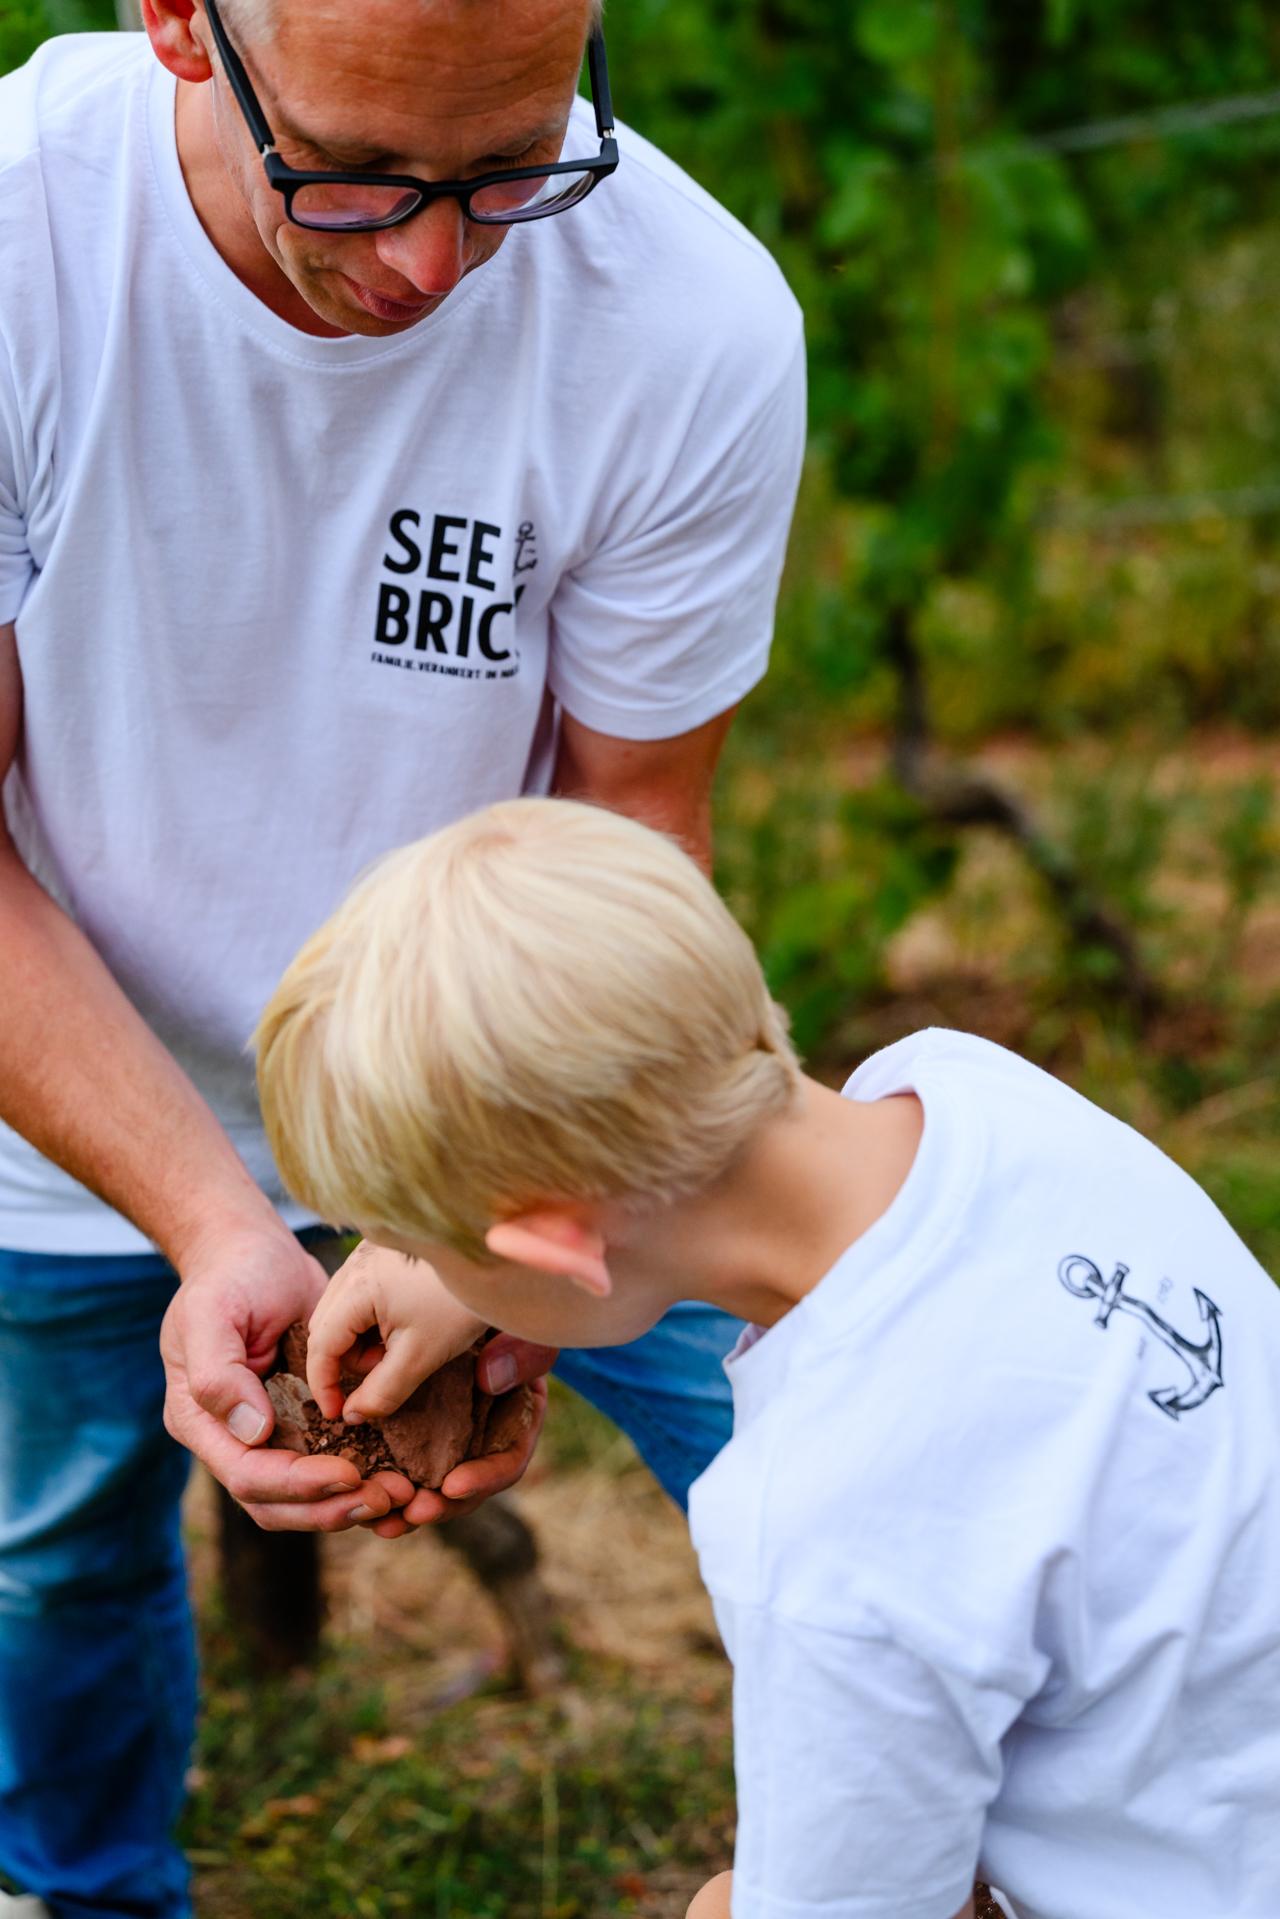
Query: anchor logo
{"points": [[1084, 1280]]}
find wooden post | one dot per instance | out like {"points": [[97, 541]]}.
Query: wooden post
{"points": [[270, 1588], [273, 1595]]}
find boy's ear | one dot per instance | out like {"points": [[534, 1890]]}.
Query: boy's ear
{"points": [[554, 1242]]}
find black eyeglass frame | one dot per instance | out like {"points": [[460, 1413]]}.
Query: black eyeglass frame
{"points": [[287, 180]]}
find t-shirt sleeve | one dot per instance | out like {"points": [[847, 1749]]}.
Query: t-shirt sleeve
{"points": [[15, 559], [864, 1775], [668, 622]]}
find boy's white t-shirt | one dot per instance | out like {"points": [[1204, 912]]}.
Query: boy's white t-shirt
{"points": [[995, 1547], [283, 603]]}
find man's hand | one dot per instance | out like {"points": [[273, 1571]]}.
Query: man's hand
{"points": [[390, 1317], [240, 1290]]}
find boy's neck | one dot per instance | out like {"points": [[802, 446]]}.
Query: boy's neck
{"points": [[808, 1186]]}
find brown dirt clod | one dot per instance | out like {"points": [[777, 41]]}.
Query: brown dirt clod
{"points": [[444, 1420]]}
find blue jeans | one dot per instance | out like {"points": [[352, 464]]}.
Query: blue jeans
{"points": [[97, 1663]]}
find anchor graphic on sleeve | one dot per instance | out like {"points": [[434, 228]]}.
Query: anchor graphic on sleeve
{"points": [[1083, 1279]]}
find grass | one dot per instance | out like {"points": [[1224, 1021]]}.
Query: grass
{"points": [[403, 1776]]}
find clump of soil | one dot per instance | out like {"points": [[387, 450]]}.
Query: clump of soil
{"points": [[445, 1420]]}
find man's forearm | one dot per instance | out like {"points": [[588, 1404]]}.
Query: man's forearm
{"points": [[87, 1082], [665, 784]]}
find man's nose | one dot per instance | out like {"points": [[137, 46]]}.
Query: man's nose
{"points": [[428, 249]]}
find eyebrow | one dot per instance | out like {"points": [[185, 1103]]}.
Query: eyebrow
{"points": [[353, 155]]}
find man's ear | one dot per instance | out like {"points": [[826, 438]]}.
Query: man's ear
{"points": [[173, 40], [554, 1242]]}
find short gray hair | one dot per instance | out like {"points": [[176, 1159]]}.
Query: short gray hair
{"points": [[256, 18]]}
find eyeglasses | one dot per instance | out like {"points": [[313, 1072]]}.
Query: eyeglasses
{"points": [[367, 202]]}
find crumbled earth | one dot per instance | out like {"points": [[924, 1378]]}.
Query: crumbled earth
{"points": [[445, 1420]]}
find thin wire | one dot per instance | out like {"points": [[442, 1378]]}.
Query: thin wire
{"points": [[1188, 116], [1167, 509], [1162, 123]]}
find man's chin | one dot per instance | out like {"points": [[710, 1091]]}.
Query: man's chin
{"points": [[366, 310], [334, 300]]}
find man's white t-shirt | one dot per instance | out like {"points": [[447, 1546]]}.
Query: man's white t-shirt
{"points": [[995, 1547], [283, 603]]}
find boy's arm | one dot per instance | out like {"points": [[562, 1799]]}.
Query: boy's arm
{"points": [[864, 1773], [714, 1901]]}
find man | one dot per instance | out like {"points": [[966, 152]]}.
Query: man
{"points": [[330, 509]]}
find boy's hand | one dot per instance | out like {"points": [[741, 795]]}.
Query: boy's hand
{"points": [[386, 1316], [416, 1327]]}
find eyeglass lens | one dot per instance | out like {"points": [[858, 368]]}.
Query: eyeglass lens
{"points": [[335, 206]]}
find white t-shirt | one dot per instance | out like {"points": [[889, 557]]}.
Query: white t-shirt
{"points": [[284, 602], [995, 1547]]}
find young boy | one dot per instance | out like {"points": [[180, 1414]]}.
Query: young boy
{"points": [[995, 1547]]}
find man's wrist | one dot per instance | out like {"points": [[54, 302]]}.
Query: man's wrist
{"points": [[239, 1212]]}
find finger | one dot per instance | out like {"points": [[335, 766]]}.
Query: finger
{"points": [[409, 1358], [320, 1516], [346, 1310], [428, 1508], [217, 1377], [256, 1475], [397, 1486], [480, 1478], [365, 1358], [507, 1362], [394, 1526]]}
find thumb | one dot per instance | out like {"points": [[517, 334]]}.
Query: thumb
{"points": [[211, 1352], [507, 1362], [407, 1359]]}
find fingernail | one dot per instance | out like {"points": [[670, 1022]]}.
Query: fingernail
{"points": [[360, 1512], [352, 1417], [501, 1373], [246, 1423], [331, 1492]]}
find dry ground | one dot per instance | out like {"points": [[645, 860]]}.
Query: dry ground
{"points": [[405, 1776]]}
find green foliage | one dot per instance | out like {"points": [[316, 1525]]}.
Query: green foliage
{"points": [[1024, 346], [25, 24], [963, 273], [21, 31], [827, 891]]}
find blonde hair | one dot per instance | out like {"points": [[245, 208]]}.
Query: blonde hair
{"points": [[543, 1001]]}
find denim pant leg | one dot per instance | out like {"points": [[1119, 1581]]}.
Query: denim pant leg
{"points": [[668, 1390], [97, 1663]]}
